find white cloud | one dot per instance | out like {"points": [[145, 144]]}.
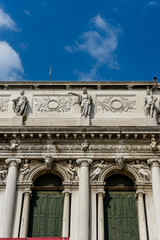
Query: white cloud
{"points": [[153, 3], [28, 13], [6, 21], [10, 63], [99, 42]]}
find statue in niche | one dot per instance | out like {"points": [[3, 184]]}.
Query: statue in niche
{"points": [[3, 173], [71, 171], [14, 145], [48, 160], [85, 101], [150, 106], [85, 145], [24, 170], [119, 162], [20, 104], [98, 168]]}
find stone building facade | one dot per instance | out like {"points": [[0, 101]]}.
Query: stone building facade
{"points": [[80, 160]]}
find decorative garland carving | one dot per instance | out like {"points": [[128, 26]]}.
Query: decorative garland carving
{"points": [[116, 104], [4, 103], [53, 104], [78, 147]]}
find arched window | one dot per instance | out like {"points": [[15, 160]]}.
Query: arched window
{"points": [[120, 210], [46, 207]]}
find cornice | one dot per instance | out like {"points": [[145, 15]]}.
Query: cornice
{"points": [[77, 84]]}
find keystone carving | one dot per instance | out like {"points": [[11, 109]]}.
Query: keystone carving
{"points": [[48, 160], [119, 162]]}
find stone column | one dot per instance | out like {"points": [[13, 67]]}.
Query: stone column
{"points": [[100, 215], [10, 194], [141, 215], [83, 203], [25, 214], [66, 211], [155, 169]]}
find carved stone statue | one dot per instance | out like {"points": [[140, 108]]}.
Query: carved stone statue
{"points": [[48, 160], [24, 170], [85, 101], [143, 169], [85, 145], [20, 104], [119, 162], [3, 173], [149, 106], [97, 170], [71, 171], [14, 145]]}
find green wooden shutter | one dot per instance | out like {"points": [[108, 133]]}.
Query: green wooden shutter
{"points": [[46, 214], [120, 216]]}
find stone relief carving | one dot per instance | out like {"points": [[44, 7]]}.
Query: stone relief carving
{"points": [[153, 144], [149, 105], [25, 170], [78, 147], [116, 104], [143, 169], [120, 162], [53, 104], [98, 167], [85, 145], [71, 171], [14, 145], [4, 103], [85, 101], [48, 160], [20, 104], [3, 172]]}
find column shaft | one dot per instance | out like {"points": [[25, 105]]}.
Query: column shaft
{"points": [[83, 210], [141, 217], [66, 209], [25, 215], [155, 168], [100, 216], [10, 194]]}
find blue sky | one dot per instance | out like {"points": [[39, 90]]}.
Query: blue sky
{"points": [[82, 39]]}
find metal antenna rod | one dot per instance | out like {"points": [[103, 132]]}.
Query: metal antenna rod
{"points": [[50, 73]]}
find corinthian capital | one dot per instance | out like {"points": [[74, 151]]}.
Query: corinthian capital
{"points": [[154, 162], [84, 162], [13, 161]]}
